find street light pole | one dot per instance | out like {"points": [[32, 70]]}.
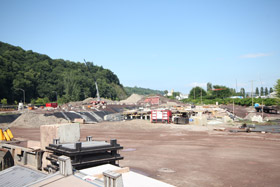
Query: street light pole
{"points": [[23, 94]]}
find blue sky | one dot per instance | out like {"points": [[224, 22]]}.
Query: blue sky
{"points": [[156, 44]]}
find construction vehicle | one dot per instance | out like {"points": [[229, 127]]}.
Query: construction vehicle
{"points": [[98, 102]]}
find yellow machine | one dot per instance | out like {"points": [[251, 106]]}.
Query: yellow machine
{"points": [[6, 135], [2, 137], [9, 132]]}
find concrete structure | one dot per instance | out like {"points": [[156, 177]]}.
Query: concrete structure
{"points": [[66, 133], [65, 167], [112, 179], [6, 159], [25, 156], [129, 178]]}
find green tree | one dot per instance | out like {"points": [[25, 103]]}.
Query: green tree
{"points": [[266, 91], [242, 91], [221, 91], [196, 92], [262, 91], [270, 90], [143, 91], [39, 76], [165, 92], [257, 91], [175, 94], [4, 101], [277, 88], [209, 87]]}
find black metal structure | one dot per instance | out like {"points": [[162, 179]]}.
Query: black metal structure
{"points": [[85, 154], [267, 109]]}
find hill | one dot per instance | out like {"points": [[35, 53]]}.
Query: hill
{"points": [[142, 91], [40, 77]]}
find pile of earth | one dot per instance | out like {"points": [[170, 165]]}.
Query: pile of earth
{"points": [[134, 98], [30, 119], [90, 99]]}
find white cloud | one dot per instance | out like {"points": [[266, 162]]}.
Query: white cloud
{"points": [[194, 84], [255, 55]]}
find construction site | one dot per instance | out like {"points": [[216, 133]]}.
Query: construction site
{"points": [[140, 141]]}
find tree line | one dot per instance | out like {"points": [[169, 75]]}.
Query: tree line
{"points": [[39, 76], [221, 94], [263, 91], [142, 91]]}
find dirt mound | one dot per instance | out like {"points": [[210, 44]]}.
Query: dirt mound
{"points": [[90, 99], [134, 98], [30, 120]]}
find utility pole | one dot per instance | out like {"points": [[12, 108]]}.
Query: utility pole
{"points": [[262, 98], [252, 81], [236, 85]]}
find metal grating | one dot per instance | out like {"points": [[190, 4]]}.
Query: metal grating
{"points": [[18, 176]]}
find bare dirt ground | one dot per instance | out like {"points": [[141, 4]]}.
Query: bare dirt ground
{"points": [[188, 155]]}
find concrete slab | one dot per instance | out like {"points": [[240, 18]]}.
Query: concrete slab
{"points": [[66, 133], [129, 178]]}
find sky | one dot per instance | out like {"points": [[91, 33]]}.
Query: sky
{"points": [[157, 44]]}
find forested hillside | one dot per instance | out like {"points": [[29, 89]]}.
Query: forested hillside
{"points": [[40, 77], [142, 91]]}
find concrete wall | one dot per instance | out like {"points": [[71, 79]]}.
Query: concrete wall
{"points": [[66, 133]]}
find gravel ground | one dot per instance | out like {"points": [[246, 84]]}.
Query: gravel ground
{"points": [[185, 155]]}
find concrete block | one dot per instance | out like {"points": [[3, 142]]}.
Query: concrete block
{"points": [[79, 120], [65, 166], [66, 133], [32, 143]]}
